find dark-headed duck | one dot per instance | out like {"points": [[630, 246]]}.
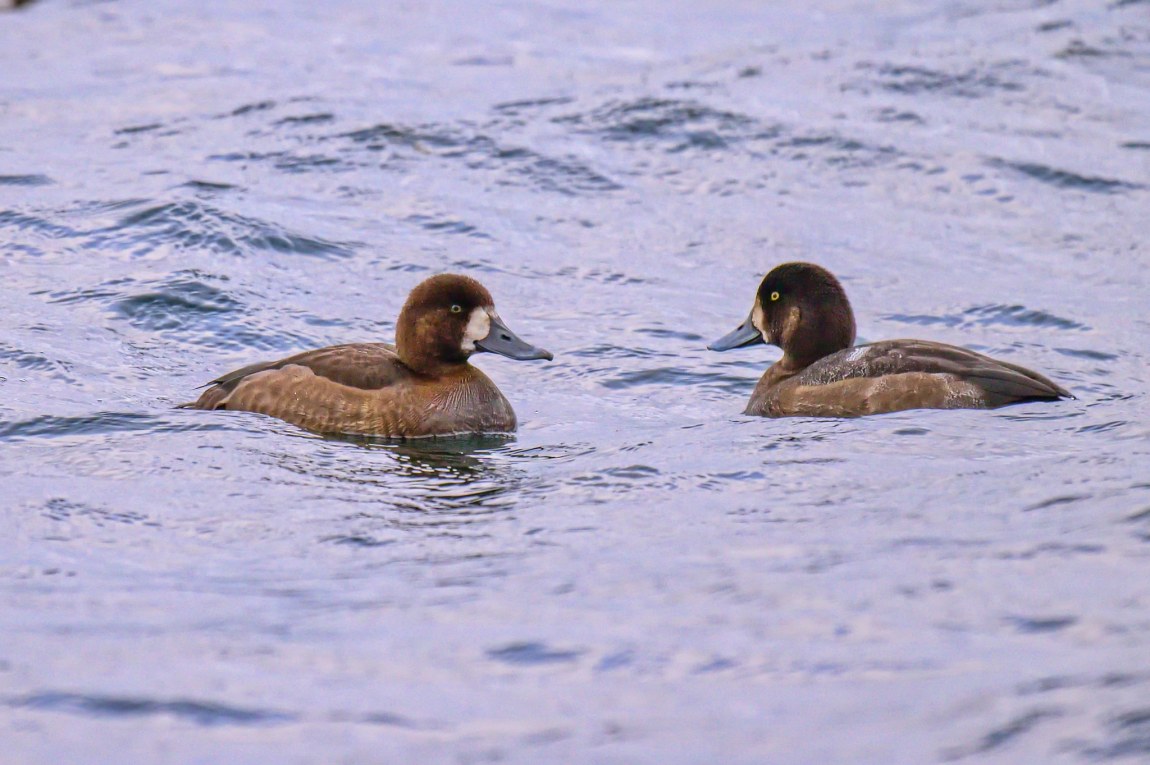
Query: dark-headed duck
{"points": [[421, 386], [802, 308]]}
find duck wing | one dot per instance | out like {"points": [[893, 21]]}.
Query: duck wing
{"points": [[368, 366], [997, 382]]}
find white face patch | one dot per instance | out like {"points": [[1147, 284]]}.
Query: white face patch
{"points": [[478, 327], [759, 321]]}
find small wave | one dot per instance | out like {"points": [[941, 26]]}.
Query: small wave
{"points": [[1065, 179], [289, 162], [531, 653], [98, 424], [683, 124], [565, 175], [26, 180], [916, 80], [663, 376], [257, 106], [992, 314], [195, 225], [1003, 735], [532, 104], [320, 118], [61, 509], [36, 362], [204, 713], [1087, 353], [1033, 625], [210, 186], [135, 129]]}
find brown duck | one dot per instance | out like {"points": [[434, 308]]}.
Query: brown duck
{"points": [[423, 385], [802, 308]]}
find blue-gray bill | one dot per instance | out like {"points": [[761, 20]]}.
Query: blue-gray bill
{"points": [[744, 334], [503, 341]]}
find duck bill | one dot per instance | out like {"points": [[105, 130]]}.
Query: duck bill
{"points": [[503, 341], [744, 334]]}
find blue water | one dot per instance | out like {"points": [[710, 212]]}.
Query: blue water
{"points": [[642, 574]]}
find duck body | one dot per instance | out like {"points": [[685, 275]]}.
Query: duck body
{"points": [[803, 309], [422, 386]]}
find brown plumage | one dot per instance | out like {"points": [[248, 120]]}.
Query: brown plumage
{"points": [[421, 386], [803, 309]]}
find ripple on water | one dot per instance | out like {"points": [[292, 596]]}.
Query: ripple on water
{"points": [[34, 179], [205, 713], [533, 654], [195, 225], [1065, 179], [98, 424], [35, 362], [913, 80], [519, 165], [992, 314], [185, 305]]}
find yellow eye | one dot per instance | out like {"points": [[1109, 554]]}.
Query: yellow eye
{"points": [[774, 296], [457, 308]]}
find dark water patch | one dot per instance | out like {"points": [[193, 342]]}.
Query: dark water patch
{"points": [[1103, 427], [62, 509], [36, 362], [357, 540], [252, 108], [1003, 735], [1065, 179], [890, 114], [205, 713], [662, 376], [919, 80], [677, 124], [515, 165], [531, 653], [1140, 145], [599, 275], [1067, 499], [34, 223], [1054, 26], [1139, 516], [1020, 316], [1053, 548], [198, 226], [286, 161], [911, 432], [187, 307], [670, 334], [609, 351], [210, 186], [98, 424], [1081, 49], [135, 129], [531, 105], [319, 118], [1129, 738], [446, 226], [1087, 353], [993, 314], [181, 304], [1030, 625], [34, 179], [484, 60], [102, 423]]}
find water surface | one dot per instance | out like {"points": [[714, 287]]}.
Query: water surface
{"points": [[642, 574]]}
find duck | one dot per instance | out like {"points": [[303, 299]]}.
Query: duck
{"points": [[803, 309], [422, 386]]}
